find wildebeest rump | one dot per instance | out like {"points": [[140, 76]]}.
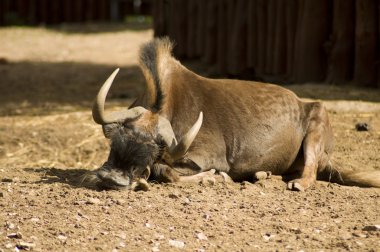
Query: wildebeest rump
{"points": [[232, 126]]}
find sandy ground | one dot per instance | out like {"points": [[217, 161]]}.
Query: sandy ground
{"points": [[48, 141]]}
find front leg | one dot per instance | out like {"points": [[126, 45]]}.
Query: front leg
{"points": [[166, 174]]}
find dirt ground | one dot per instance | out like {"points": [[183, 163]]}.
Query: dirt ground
{"points": [[48, 141]]}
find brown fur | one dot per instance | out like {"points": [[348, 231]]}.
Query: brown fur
{"points": [[247, 127]]}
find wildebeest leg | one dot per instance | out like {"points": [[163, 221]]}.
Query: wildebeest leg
{"points": [[166, 174], [316, 147]]}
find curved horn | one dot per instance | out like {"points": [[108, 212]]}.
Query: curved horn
{"points": [[176, 151], [98, 107]]}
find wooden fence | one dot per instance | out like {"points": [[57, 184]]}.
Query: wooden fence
{"points": [[283, 41], [34, 12]]}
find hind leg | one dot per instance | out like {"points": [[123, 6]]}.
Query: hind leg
{"points": [[317, 146]]}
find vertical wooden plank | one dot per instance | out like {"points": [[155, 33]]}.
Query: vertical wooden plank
{"points": [[191, 28], [271, 21], [366, 42], [43, 7], [312, 33], [222, 36], [159, 18], [181, 27], [262, 25], [378, 49], [210, 36], [31, 12], [341, 53], [238, 50], [2, 12], [56, 11], [279, 47], [201, 24], [291, 26], [252, 34]]}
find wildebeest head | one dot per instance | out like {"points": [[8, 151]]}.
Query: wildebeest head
{"points": [[139, 138]]}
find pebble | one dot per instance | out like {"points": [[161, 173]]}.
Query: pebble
{"points": [[25, 245], [93, 201], [17, 235], [155, 249], [177, 244], [10, 225], [201, 236], [62, 237], [362, 126], [372, 228]]}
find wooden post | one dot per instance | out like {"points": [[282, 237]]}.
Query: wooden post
{"points": [[366, 42], [262, 25], [222, 37], [191, 28], [252, 35], [279, 52], [181, 28], [201, 30], [378, 49], [271, 21], [237, 51], [159, 18], [312, 33], [210, 36], [291, 25], [341, 51]]}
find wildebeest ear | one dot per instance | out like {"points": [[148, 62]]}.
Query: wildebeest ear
{"points": [[108, 129]]}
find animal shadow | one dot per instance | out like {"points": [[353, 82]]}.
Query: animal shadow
{"points": [[77, 177]]}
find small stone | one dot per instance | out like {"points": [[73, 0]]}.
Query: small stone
{"points": [[10, 225], [34, 219], [25, 245], [155, 249], [122, 236], [121, 245], [362, 126], [17, 235], [345, 236], [372, 228], [201, 236], [62, 237], [186, 201], [147, 225], [177, 244], [267, 237], [93, 201], [361, 235]]}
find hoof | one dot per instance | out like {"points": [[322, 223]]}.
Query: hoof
{"points": [[261, 175], [295, 186]]}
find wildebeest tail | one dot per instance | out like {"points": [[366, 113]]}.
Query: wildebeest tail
{"points": [[337, 174], [156, 60]]}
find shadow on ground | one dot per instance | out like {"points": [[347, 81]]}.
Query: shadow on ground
{"points": [[76, 177], [53, 86]]}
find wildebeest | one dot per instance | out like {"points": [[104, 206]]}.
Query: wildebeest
{"points": [[184, 127]]}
